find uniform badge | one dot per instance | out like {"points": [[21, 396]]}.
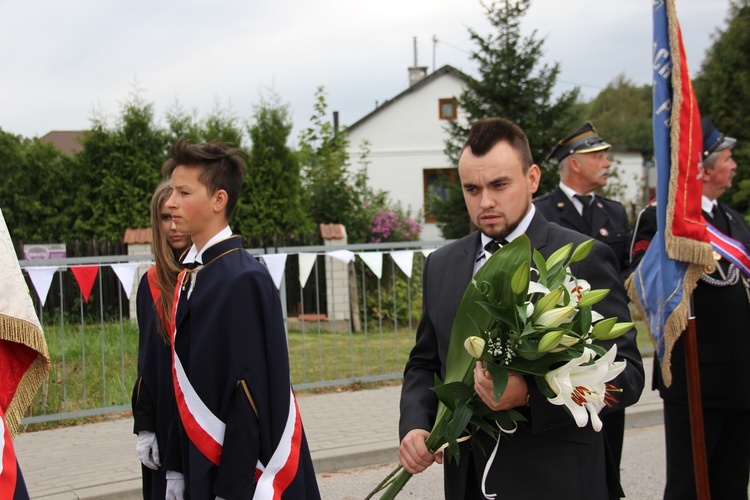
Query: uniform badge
{"points": [[599, 204], [603, 231], [717, 256], [560, 205]]}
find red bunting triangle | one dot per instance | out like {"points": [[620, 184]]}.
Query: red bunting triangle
{"points": [[85, 276]]}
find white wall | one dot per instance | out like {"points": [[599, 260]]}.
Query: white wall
{"points": [[405, 138]]}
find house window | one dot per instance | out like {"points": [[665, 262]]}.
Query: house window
{"points": [[448, 108], [433, 180]]}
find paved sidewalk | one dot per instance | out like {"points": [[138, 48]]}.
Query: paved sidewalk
{"points": [[344, 430]]}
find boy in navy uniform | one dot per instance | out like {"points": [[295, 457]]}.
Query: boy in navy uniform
{"points": [[239, 433], [584, 168]]}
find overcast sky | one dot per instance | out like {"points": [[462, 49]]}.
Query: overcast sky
{"points": [[61, 60]]}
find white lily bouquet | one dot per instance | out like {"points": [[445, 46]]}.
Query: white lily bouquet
{"points": [[544, 329]]}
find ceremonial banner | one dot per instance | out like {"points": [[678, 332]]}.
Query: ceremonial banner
{"points": [[674, 261], [24, 360]]}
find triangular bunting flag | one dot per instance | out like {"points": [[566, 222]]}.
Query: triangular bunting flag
{"points": [[345, 256], [306, 263], [275, 264], [427, 251], [85, 276], [404, 259], [374, 261], [41, 277], [126, 273]]}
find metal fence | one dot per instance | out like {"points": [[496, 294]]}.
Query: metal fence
{"points": [[351, 313]]}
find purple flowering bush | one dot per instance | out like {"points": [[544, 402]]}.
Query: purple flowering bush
{"points": [[393, 225]]}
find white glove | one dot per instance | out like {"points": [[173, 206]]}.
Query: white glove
{"points": [[175, 486], [148, 449]]}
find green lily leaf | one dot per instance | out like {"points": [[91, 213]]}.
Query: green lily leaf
{"points": [[541, 266], [499, 379], [453, 391]]}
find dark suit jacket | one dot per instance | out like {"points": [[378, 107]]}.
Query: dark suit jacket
{"points": [[609, 222], [550, 441], [722, 316]]}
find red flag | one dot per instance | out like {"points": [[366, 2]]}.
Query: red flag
{"points": [[85, 276]]}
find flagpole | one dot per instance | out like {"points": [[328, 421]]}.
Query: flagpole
{"points": [[695, 407]]}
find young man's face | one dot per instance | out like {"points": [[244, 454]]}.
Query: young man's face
{"points": [[191, 206], [496, 191]]}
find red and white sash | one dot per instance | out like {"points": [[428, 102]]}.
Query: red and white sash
{"points": [[206, 431], [731, 249]]}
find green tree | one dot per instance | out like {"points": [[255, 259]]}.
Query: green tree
{"points": [[334, 193], [117, 171], [272, 201], [513, 84], [35, 192], [723, 91], [622, 115]]}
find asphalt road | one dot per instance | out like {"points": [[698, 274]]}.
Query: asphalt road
{"points": [[642, 473]]}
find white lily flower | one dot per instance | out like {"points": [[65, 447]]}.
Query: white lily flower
{"points": [[576, 288], [529, 309], [595, 316], [582, 388], [474, 346], [556, 317], [536, 287]]}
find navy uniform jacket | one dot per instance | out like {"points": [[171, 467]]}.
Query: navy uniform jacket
{"points": [[153, 395], [609, 222], [722, 318], [232, 344], [572, 458]]}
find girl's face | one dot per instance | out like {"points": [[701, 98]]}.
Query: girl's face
{"points": [[178, 241]]}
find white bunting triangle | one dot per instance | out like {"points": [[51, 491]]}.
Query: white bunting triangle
{"points": [[275, 263], [427, 251], [374, 261], [41, 277], [126, 273], [404, 259], [345, 256], [306, 263]]}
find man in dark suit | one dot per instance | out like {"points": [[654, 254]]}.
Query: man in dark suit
{"points": [[584, 168], [498, 181], [721, 302]]}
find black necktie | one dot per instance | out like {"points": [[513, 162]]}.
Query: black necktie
{"points": [[493, 246], [586, 202]]}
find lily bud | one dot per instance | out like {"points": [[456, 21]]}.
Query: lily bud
{"points": [[582, 251], [550, 340], [556, 317], [474, 346], [592, 297]]}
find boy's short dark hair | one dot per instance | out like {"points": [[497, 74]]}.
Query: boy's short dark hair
{"points": [[487, 132], [223, 167]]}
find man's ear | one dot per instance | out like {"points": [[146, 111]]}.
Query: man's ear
{"points": [[574, 163], [534, 175], [220, 200]]}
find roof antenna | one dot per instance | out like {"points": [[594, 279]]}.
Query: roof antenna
{"points": [[434, 50], [415, 52]]}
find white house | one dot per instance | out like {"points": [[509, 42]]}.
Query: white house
{"points": [[407, 135]]}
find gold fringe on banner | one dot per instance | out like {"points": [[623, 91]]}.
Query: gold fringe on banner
{"points": [[28, 334]]}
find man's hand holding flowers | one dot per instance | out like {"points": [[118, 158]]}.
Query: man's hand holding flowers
{"points": [[514, 396]]}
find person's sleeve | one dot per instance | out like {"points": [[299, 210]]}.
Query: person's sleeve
{"points": [[645, 229], [143, 408], [418, 405]]}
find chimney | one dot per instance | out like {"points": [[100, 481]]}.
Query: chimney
{"points": [[416, 73]]}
